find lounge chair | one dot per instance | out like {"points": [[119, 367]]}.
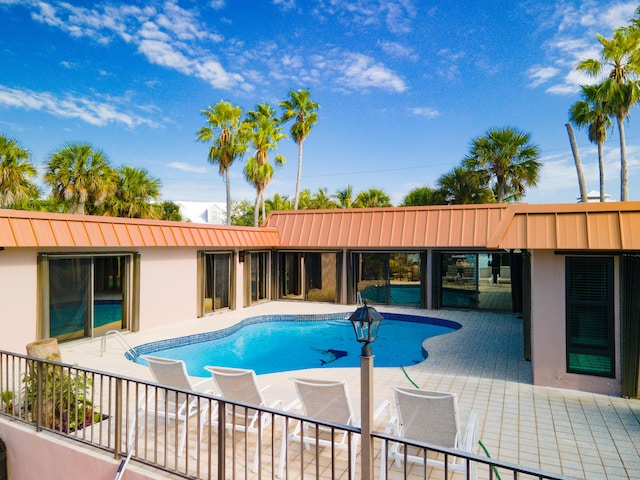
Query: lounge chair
{"points": [[241, 385], [172, 405], [329, 401], [429, 417]]}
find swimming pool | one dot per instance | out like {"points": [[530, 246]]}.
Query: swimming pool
{"points": [[270, 344]]}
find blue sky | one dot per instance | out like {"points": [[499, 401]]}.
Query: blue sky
{"points": [[403, 85]]}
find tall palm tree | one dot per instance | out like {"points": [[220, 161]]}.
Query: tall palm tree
{"points": [[135, 195], [80, 177], [620, 62], [592, 112], [460, 186], [299, 106], [225, 131], [584, 197], [264, 130], [374, 197], [16, 170], [344, 197], [505, 156]]}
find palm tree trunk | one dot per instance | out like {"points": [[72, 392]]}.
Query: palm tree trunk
{"points": [[228, 182], [576, 158], [624, 173], [295, 203], [256, 209], [601, 166]]}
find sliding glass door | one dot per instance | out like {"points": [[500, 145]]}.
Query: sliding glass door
{"points": [[217, 281], [84, 296]]}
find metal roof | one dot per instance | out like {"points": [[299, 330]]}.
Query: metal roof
{"points": [[401, 227], [611, 226], [583, 226], [37, 229]]}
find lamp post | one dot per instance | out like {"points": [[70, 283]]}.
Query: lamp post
{"points": [[366, 321]]}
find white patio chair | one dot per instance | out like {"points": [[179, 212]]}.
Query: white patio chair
{"points": [[176, 406], [241, 385], [429, 417], [329, 401]]}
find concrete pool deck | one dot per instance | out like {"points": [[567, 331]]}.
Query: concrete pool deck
{"points": [[563, 432]]}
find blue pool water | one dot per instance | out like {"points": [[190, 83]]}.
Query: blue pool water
{"points": [[287, 342]]}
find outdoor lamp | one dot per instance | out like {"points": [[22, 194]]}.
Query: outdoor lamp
{"points": [[366, 321]]}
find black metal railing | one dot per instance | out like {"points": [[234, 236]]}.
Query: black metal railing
{"points": [[203, 436]]}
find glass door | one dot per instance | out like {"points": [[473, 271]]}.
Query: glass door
{"points": [[86, 296]]}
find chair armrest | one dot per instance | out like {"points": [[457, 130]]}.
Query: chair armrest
{"points": [[469, 444], [381, 407], [393, 426]]}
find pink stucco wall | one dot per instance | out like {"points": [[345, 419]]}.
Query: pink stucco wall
{"points": [[548, 345], [32, 455], [18, 293]]}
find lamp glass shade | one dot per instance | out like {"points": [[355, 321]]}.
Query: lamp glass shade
{"points": [[366, 322]]}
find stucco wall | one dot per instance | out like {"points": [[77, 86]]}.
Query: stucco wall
{"points": [[548, 332], [32, 455], [18, 293], [168, 290], [168, 286]]}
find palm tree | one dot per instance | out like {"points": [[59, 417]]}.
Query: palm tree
{"points": [[584, 197], [423, 196], [81, 177], [228, 140], [620, 62], [15, 173], [264, 130], [506, 157], [461, 187], [279, 203], [135, 195], [591, 112], [170, 211], [374, 197], [299, 106], [344, 197], [322, 200]]}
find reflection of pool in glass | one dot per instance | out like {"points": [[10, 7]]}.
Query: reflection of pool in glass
{"points": [[275, 344], [400, 294], [66, 319]]}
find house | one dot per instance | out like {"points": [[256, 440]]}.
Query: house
{"points": [[569, 271], [203, 212]]}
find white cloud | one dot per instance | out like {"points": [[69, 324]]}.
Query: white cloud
{"points": [[396, 15], [361, 71], [185, 167], [90, 111], [540, 75], [425, 112], [399, 50]]}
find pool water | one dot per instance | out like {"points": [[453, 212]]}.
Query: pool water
{"points": [[293, 343]]}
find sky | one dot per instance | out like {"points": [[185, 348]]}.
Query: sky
{"points": [[404, 86]]}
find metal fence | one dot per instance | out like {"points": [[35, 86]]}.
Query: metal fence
{"points": [[202, 436]]}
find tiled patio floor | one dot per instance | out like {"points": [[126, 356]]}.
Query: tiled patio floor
{"points": [[566, 432]]}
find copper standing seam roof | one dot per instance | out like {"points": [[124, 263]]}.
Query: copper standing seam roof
{"points": [[584, 226], [37, 229], [458, 226], [611, 226]]}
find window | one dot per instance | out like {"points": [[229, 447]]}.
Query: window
{"points": [[590, 316], [258, 263]]}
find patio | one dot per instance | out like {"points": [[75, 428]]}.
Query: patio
{"points": [[563, 432]]}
